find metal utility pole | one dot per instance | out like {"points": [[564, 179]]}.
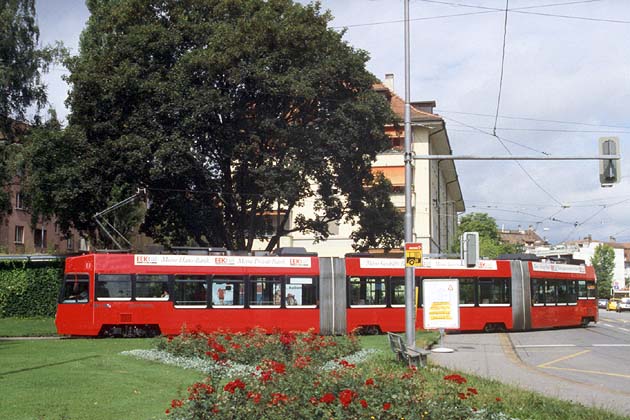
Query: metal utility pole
{"points": [[410, 287]]}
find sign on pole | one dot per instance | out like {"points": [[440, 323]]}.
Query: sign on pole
{"points": [[413, 255], [441, 304]]}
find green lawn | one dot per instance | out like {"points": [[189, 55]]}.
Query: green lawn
{"points": [[85, 379], [27, 327], [77, 379]]}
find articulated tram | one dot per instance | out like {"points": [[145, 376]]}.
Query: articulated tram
{"points": [[145, 295]]}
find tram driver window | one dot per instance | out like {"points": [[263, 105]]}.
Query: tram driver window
{"points": [[113, 287], [76, 288]]}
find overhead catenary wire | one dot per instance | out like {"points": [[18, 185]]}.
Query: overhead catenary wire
{"points": [[487, 10], [513, 117], [505, 24]]}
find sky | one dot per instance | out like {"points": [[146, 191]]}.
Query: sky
{"points": [[565, 84]]}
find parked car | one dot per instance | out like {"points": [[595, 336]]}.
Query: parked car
{"points": [[612, 304], [602, 303], [623, 305]]}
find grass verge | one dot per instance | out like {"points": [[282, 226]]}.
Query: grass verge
{"points": [[86, 379], [27, 327], [72, 379]]}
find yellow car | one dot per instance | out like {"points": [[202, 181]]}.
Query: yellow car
{"points": [[612, 305]]}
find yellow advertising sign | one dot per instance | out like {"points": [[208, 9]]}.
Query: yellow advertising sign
{"points": [[413, 255]]}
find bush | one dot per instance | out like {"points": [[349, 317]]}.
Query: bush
{"points": [[254, 345], [29, 291], [302, 390], [304, 375]]}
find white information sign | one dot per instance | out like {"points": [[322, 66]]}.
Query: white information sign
{"points": [[441, 304]]}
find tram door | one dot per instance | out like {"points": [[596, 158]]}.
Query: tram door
{"points": [[332, 296], [521, 296]]}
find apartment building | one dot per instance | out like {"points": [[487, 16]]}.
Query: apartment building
{"points": [[436, 193]]}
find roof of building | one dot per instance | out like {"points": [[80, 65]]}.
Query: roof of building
{"points": [[398, 105], [521, 237], [422, 114]]}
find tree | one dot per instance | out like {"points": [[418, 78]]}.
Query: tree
{"points": [[21, 86], [226, 111], [603, 262], [381, 224], [490, 243]]}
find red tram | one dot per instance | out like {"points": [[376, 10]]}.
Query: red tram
{"points": [[145, 295]]}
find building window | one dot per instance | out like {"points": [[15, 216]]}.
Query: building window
{"points": [[19, 201], [83, 244], [40, 238], [70, 242], [333, 228], [19, 234]]}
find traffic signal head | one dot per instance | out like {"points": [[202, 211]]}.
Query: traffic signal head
{"points": [[609, 172]]}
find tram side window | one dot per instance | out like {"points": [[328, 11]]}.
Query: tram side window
{"points": [[591, 289], [367, 291], [265, 291], [113, 287], [466, 291], [190, 290], [582, 290], [551, 293], [228, 291], [538, 292], [563, 292], [152, 287], [76, 288], [398, 290], [572, 295], [494, 291], [301, 291]]}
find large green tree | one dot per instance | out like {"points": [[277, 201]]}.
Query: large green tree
{"points": [[603, 262], [381, 225], [490, 243], [22, 62], [226, 111]]}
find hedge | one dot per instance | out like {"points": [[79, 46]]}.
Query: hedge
{"points": [[29, 291]]}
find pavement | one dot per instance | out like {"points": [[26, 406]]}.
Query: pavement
{"points": [[493, 356]]}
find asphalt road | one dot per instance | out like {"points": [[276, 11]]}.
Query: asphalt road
{"points": [[589, 365]]}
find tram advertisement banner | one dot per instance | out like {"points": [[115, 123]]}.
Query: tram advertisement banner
{"points": [[440, 303]]}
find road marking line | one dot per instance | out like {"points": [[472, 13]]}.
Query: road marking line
{"points": [[608, 325], [624, 329], [595, 372], [570, 356], [523, 346], [610, 345]]}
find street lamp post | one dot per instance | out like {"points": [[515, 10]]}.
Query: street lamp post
{"points": [[410, 307]]}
